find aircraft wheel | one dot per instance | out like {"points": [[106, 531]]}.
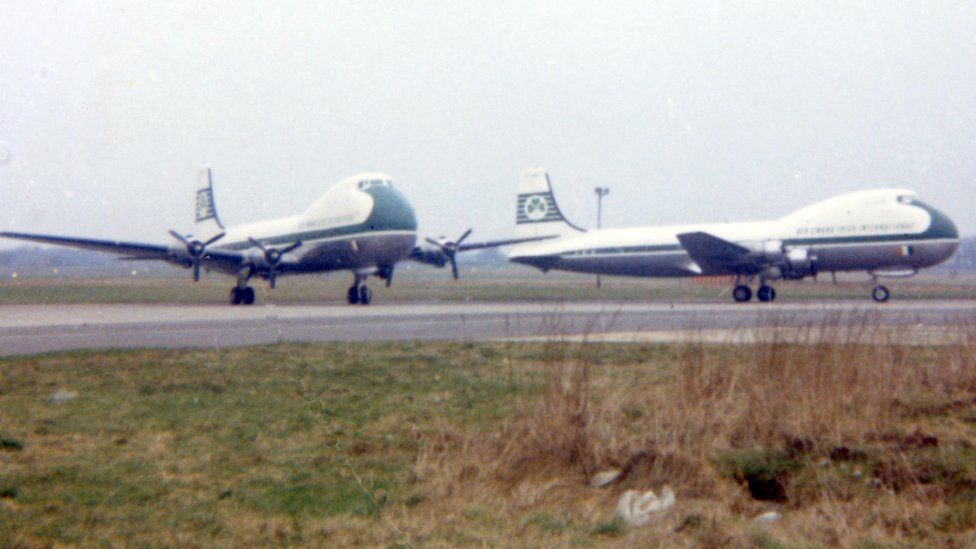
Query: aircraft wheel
{"points": [[766, 294], [741, 294], [353, 295], [247, 296], [365, 295], [235, 296], [880, 294]]}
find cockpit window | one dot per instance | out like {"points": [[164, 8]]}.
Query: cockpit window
{"points": [[905, 199], [375, 183]]}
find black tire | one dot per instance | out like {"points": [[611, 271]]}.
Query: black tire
{"points": [[247, 296], [766, 294], [741, 294], [365, 295], [235, 296], [352, 296], [880, 294]]}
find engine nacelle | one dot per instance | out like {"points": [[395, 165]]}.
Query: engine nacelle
{"points": [[429, 255], [799, 263], [766, 251], [782, 262]]}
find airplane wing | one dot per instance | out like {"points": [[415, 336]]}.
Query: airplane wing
{"points": [[217, 259], [713, 254], [500, 243], [440, 253]]}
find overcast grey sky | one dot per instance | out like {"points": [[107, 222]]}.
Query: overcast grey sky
{"points": [[689, 111]]}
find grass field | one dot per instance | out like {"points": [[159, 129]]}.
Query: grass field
{"points": [[496, 284], [464, 444]]}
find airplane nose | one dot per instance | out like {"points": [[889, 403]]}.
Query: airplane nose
{"points": [[943, 230], [391, 211]]}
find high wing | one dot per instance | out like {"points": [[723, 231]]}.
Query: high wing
{"points": [[227, 261], [715, 255]]}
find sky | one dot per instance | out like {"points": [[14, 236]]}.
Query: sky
{"points": [[688, 111]]}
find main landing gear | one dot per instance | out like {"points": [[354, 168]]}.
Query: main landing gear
{"points": [[764, 293], [359, 293], [242, 294], [742, 293]]}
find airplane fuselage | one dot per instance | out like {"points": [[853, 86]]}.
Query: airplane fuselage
{"points": [[361, 223], [883, 232]]}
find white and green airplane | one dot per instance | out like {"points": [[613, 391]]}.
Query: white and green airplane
{"points": [[363, 224], [885, 232]]}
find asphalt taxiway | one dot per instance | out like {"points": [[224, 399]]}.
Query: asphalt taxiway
{"points": [[30, 329]]}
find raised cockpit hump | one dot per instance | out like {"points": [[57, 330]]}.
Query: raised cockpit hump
{"points": [[853, 202]]}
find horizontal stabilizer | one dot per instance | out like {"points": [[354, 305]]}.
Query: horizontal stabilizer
{"points": [[713, 254]]}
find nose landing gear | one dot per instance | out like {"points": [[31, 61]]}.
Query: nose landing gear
{"points": [[880, 294]]}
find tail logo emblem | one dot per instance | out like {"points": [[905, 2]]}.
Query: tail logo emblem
{"points": [[536, 208], [205, 207]]}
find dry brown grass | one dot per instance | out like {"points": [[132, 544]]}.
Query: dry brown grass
{"points": [[854, 442]]}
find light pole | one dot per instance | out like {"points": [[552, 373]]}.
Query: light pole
{"points": [[600, 193]]}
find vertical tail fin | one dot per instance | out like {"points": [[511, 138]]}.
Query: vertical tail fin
{"points": [[207, 222], [538, 215]]}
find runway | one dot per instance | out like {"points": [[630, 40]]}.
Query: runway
{"points": [[30, 329]]}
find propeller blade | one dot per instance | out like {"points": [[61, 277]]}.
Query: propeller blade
{"points": [[292, 248], [196, 249], [257, 244], [214, 239], [180, 237], [450, 250]]}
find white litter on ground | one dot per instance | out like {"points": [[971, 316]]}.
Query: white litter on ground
{"points": [[768, 518], [638, 509], [61, 396], [600, 480]]}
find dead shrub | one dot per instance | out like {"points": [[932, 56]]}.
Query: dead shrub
{"points": [[776, 408]]}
